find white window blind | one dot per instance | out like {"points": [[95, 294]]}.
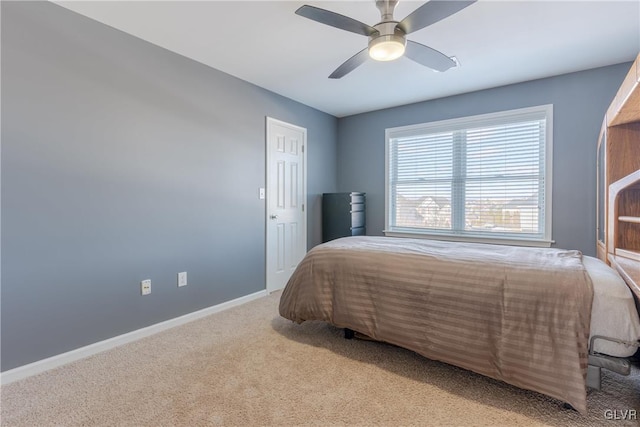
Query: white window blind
{"points": [[482, 176]]}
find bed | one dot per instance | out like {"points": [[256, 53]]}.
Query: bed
{"points": [[520, 315]]}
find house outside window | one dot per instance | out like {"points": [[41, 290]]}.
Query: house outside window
{"points": [[484, 178]]}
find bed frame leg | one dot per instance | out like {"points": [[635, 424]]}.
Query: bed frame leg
{"points": [[348, 334], [594, 377]]}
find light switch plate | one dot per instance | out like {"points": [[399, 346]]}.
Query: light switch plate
{"points": [[261, 193], [182, 279]]}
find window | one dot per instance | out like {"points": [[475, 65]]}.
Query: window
{"points": [[481, 178]]}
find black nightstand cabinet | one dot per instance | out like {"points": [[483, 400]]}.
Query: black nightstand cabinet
{"points": [[342, 215]]}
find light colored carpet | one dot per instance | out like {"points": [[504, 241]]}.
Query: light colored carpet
{"points": [[247, 366]]}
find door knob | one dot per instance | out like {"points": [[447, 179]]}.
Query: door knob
{"points": [[274, 216]]}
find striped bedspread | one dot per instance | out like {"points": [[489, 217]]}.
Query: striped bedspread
{"points": [[520, 315]]}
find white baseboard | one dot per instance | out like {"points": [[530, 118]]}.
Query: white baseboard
{"points": [[89, 350]]}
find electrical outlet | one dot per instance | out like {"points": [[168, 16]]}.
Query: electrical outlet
{"points": [[145, 287], [182, 279]]}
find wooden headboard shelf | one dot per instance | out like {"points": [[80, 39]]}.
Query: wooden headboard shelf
{"points": [[625, 107], [619, 182], [624, 228]]}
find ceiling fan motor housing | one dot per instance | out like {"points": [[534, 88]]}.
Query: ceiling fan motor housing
{"points": [[389, 42]]}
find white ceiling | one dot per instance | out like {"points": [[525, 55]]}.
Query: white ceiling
{"points": [[497, 42]]}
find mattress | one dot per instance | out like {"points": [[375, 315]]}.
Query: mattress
{"points": [[613, 313]]}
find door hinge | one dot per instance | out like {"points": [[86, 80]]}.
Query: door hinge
{"points": [[303, 207], [303, 148]]}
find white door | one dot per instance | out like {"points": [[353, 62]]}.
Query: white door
{"points": [[286, 198]]}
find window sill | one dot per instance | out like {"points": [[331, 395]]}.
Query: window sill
{"points": [[472, 239]]}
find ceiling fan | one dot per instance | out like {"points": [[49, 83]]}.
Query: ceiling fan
{"points": [[387, 38]]}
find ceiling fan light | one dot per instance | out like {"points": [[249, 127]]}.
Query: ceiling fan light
{"points": [[386, 48]]}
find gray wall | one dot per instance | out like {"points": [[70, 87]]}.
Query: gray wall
{"points": [[122, 161], [579, 103]]}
